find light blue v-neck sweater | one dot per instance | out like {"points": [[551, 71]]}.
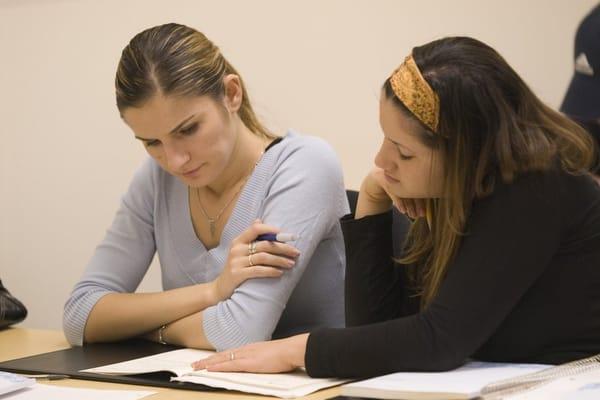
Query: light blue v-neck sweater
{"points": [[297, 186]]}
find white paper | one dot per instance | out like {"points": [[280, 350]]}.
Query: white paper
{"points": [[584, 386], [289, 385], [48, 392], [10, 382], [467, 380], [179, 362]]}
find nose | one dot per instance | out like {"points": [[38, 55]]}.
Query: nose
{"points": [[384, 158], [176, 156]]}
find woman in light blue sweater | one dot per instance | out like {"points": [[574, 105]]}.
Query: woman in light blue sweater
{"points": [[216, 179]]}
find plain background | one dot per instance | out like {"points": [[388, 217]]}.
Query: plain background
{"points": [[314, 65]]}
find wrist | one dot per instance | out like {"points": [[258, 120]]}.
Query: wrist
{"points": [[368, 205], [161, 334], [372, 198], [211, 292], [298, 349]]}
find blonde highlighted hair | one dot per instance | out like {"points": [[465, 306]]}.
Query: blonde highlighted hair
{"points": [[176, 60], [492, 128]]}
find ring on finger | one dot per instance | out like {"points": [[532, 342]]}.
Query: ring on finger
{"points": [[250, 263], [231, 356], [252, 247]]}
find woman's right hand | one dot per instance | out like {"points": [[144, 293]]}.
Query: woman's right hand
{"points": [[270, 260], [377, 198]]}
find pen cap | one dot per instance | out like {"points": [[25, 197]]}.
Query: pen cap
{"points": [[286, 237]]}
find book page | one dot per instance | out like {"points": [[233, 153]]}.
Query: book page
{"points": [[39, 391], [10, 382], [578, 387], [467, 380], [285, 385], [177, 361]]}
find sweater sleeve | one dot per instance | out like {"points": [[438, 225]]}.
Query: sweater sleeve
{"points": [[306, 197], [121, 260], [376, 287], [511, 237]]}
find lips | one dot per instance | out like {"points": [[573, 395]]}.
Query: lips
{"points": [[191, 172], [390, 178]]}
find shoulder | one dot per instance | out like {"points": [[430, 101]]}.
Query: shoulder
{"points": [[308, 151], [553, 196]]}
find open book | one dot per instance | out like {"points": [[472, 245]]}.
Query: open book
{"points": [[484, 381], [289, 385], [466, 382]]}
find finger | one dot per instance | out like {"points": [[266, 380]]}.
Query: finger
{"points": [[214, 359], [400, 206], [272, 260], [257, 228], [241, 365], [420, 207], [261, 271], [410, 207], [277, 248]]}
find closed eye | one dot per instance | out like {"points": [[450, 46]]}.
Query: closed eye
{"points": [[151, 143], [189, 130], [402, 156]]}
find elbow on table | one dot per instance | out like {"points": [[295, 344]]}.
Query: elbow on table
{"points": [[71, 331]]}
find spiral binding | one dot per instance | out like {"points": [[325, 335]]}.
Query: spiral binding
{"points": [[522, 383]]}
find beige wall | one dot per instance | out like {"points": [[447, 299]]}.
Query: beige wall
{"points": [[313, 65]]}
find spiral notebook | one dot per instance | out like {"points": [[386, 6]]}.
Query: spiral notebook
{"points": [[482, 380]]}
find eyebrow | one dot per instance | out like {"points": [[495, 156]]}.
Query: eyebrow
{"points": [[174, 130], [400, 144]]}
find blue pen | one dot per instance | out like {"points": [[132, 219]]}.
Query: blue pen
{"points": [[279, 237]]}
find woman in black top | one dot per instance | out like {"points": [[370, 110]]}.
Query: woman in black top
{"points": [[502, 260]]}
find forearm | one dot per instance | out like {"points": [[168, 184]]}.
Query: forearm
{"points": [[186, 332], [118, 316], [373, 286]]}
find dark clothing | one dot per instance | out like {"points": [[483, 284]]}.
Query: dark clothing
{"points": [[523, 287], [593, 128]]}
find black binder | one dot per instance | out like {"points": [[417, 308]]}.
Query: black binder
{"points": [[70, 361]]}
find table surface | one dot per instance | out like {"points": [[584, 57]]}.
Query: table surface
{"points": [[24, 342]]}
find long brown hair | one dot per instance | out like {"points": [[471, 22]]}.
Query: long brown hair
{"points": [[176, 60], [491, 128]]}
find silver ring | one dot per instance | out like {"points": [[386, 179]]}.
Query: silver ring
{"points": [[231, 356], [250, 263]]}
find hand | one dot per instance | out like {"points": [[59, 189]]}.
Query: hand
{"points": [[264, 357], [414, 208], [378, 197], [269, 260]]}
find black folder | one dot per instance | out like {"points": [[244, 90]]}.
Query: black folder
{"points": [[70, 361]]}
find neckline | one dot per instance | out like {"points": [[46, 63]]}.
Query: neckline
{"points": [[259, 171]]}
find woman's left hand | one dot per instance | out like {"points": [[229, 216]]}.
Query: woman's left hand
{"points": [[264, 357]]}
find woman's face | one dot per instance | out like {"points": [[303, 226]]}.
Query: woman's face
{"points": [[191, 138], [411, 169]]}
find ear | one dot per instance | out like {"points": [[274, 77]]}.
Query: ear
{"points": [[233, 92]]}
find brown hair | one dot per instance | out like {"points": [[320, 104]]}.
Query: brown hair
{"points": [[176, 60], [491, 127]]}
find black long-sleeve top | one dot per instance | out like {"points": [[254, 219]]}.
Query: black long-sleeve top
{"points": [[524, 286]]}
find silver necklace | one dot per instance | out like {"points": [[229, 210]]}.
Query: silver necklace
{"points": [[212, 221]]}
